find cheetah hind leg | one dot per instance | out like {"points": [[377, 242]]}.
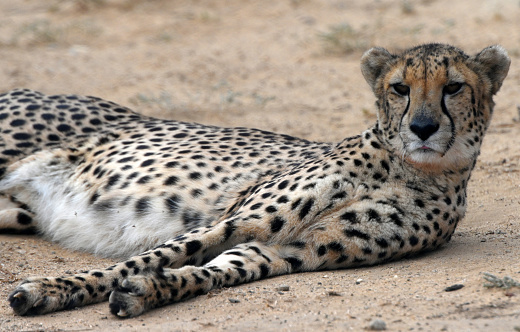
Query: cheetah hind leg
{"points": [[14, 217], [243, 263]]}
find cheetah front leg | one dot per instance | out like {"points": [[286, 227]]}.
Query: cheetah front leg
{"points": [[243, 263], [43, 295]]}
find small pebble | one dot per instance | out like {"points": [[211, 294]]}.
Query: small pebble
{"points": [[234, 300], [283, 288], [377, 325], [359, 281], [453, 288]]}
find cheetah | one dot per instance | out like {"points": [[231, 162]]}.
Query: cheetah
{"points": [[188, 208]]}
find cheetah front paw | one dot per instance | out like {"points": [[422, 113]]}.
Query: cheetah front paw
{"points": [[130, 299], [35, 297]]}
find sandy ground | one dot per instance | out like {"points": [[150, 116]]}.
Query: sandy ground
{"points": [[290, 66]]}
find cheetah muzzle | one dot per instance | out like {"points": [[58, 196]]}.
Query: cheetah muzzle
{"points": [[189, 208]]}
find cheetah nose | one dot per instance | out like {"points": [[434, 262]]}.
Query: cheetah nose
{"points": [[424, 126]]}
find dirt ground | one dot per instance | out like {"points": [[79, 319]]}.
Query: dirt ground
{"points": [[289, 66]]}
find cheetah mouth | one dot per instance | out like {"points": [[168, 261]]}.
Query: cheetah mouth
{"points": [[423, 148], [423, 153]]}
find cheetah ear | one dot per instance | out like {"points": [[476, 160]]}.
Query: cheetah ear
{"points": [[494, 63], [374, 63]]}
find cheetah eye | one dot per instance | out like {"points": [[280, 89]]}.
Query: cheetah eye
{"points": [[452, 88], [401, 89]]}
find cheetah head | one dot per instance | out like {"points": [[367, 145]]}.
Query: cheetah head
{"points": [[435, 102]]}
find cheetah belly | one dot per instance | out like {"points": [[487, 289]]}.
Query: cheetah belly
{"points": [[65, 215]]}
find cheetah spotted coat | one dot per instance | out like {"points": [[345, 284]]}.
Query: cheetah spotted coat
{"points": [[189, 207]]}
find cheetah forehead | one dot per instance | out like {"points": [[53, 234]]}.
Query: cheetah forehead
{"points": [[432, 64]]}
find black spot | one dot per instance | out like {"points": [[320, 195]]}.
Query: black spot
{"points": [[306, 208], [357, 233], [413, 240], [283, 184], [298, 244], [382, 242], [198, 280], [309, 186], [22, 136], [130, 264], [396, 219], [295, 263], [195, 176], [17, 123], [256, 206], [89, 289], [419, 203], [322, 250], [144, 179], [241, 272], [78, 116], [373, 215], [192, 247], [142, 205], [64, 128], [377, 176], [276, 224], [339, 195], [94, 198], [264, 270], [335, 246], [112, 180], [350, 216], [385, 165], [11, 152], [270, 209], [295, 204], [147, 162], [125, 160], [282, 199], [196, 193], [229, 230], [23, 219], [237, 263], [171, 180], [341, 259]]}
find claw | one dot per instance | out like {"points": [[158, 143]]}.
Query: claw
{"points": [[38, 303], [122, 313], [17, 295]]}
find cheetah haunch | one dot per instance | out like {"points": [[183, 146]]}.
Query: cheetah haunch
{"points": [[213, 207]]}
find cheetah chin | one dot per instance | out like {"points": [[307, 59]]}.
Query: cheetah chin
{"points": [[189, 208]]}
